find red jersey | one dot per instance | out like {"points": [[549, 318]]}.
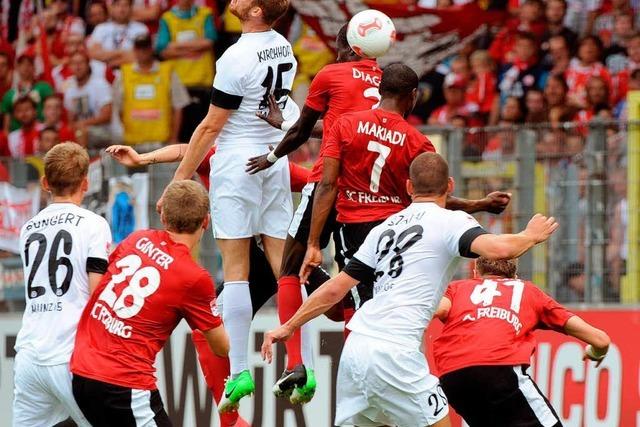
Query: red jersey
{"points": [[342, 88], [151, 284], [299, 175], [375, 149], [491, 322]]}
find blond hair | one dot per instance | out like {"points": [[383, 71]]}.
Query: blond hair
{"points": [[185, 206], [66, 165]]}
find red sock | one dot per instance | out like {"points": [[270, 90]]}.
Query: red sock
{"points": [[289, 301], [215, 370]]}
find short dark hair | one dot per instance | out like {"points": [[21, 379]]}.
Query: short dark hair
{"points": [[49, 129], [560, 79], [506, 268], [24, 99], [526, 35], [564, 3], [272, 10], [398, 80], [429, 174], [594, 39], [341, 38]]}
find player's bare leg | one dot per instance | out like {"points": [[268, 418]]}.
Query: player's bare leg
{"points": [[236, 314]]}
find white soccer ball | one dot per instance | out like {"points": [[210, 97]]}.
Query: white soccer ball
{"points": [[371, 33]]}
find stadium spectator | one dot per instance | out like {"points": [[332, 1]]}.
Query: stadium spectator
{"points": [[6, 74], [571, 287], [148, 12], [112, 41], [88, 102], [482, 89], [454, 93], [186, 36], [621, 110], [47, 139], [503, 142], [555, 91], [22, 142], [555, 12], [597, 98], [26, 84], [524, 71], [617, 249], [605, 18], [622, 64], [586, 65], [536, 110], [529, 20], [97, 13], [62, 74], [558, 55], [149, 98], [67, 23], [53, 112]]}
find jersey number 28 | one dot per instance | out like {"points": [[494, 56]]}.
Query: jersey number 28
{"points": [[142, 283]]}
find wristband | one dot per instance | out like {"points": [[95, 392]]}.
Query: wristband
{"points": [[271, 157], [590, 351], [287, 124]]}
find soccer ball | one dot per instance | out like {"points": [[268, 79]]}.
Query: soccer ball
{"points": [[371, 33]]}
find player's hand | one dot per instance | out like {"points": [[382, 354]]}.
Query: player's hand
{"points": [[591, 353], [274, 115], [125, 155], [280, 334], [540, 228], [312, 259], [497, 202], [259, 163]]}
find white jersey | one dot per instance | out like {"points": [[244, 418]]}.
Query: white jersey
{"points": [[59, 245], [413, 255], [259, 64]]}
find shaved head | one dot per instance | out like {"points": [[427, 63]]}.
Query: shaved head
{"points": [[429, 174]]}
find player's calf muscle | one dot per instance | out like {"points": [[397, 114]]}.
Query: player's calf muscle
{"points": [[235, 258], [292, 258]]}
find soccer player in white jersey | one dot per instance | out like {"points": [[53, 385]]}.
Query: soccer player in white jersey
{"points": [[383, 378], [260, 64], [64, 254]]}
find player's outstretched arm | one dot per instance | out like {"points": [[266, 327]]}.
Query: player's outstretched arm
{"points": [[218, 340], [598, 340], [507, 246], [129, 157], [295, 137], [323, 201], [494, 203], [325, 297]]}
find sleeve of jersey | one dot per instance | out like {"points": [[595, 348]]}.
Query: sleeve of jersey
{"points": [[463, 230], [99, 248], [228, 85], [299, 177], [551, 313], [199, 306], [332, 142], [318, 92], [363, 264]]}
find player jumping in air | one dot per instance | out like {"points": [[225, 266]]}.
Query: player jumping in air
{"points": [[383, 378], [260, 64], [152, 284], [336, 90], [487, 342], [64, 253]]}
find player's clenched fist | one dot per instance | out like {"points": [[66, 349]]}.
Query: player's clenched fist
{"points": [[540, 228]]}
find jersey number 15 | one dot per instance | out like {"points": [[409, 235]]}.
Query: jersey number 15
{"points": [[278, 91]]}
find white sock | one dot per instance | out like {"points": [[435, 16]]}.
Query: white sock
{"points": [[236, 315], [306, 338]]}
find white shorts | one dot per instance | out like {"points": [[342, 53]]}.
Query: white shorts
{"points": [[382, 383], [244, 205], [43, 395]]}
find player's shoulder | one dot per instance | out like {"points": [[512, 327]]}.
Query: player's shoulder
{"points": [[462, 283]]}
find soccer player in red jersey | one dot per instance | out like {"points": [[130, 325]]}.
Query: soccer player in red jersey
{"points": [[151, 284], [487, 342], [366, 167]]}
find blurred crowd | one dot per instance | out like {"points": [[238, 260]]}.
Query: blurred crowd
{"points": [[139, 72]]}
